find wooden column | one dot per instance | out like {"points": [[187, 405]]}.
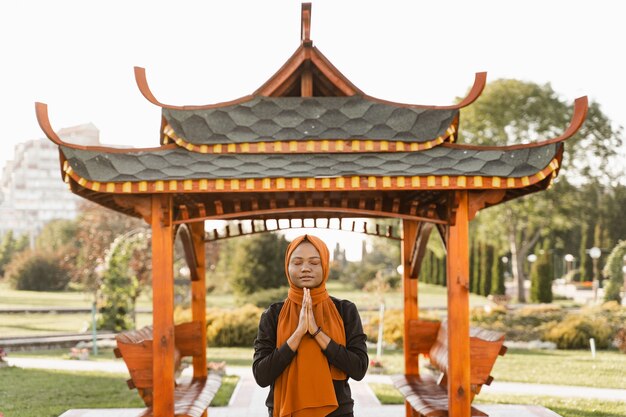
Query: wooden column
{"points": [[198, 296], [162, 306], [458, 310], [409, 232]]}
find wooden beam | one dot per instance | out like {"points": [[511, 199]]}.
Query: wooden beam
{"points": [[409, 231], [459, 394], [419, 248], [306, 80], [319, 209], [198, 296], [163, 305]]}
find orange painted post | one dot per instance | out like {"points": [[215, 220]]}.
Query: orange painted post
{"points": [[409, 231], [198, 296], [459, 399], [162, 306]]}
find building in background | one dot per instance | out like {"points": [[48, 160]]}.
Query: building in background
{"points": [[30, 191]]}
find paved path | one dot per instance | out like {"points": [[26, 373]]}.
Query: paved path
{"points": [[248, 400]]}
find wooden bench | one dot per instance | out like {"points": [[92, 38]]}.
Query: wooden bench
{"points": [[191, 397], [427, 394]]}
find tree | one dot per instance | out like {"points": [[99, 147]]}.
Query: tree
{"points": [[259, 263], [125, 270], [613, 271], [57, 235], [96, 229], [512, 111]]}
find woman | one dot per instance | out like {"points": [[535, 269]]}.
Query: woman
{"points": [[310, 344]]}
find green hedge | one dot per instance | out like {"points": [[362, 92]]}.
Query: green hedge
{"points": [[236, 327]]}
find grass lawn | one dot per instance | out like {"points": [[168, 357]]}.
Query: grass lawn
{"points": [[563, 367], [431, 296], [38, 324], [36, 393], [559, 367], [104, 354], [566, 407]]}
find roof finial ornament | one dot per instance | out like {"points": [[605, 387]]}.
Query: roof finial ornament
{"points": [[305, 31]]}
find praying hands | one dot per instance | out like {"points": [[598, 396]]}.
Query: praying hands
{"points": [[307, 325]]}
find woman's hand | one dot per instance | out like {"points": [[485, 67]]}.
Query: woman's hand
{"points": [[302, 327], [321, 338], [303, 322], [308, 302]]}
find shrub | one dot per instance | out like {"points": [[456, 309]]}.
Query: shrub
{"points": [[37, 271], [525, 324], [393, 331], [236, 327], [575, 331], [266, 297]]}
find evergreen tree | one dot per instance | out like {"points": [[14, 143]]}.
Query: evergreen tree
{"points": [[474, 277], [582, 254], [497, 276], [434, 268], [443, 274], [613, 272], [541, 278], [485, 288], [6, 250]]}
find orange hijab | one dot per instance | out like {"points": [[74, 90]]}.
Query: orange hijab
{"points": [[305, 388]]}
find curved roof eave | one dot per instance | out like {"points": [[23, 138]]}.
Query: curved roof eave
{"points": [[480, 80], [144, 88], [41, 111], [581, 106]]}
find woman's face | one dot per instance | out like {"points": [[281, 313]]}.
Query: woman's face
{"points": [[305, 266]]}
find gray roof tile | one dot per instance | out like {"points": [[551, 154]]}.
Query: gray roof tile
{"points": [[302, 118], [181, 164]]}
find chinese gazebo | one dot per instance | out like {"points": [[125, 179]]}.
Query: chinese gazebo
{"points": [[309, 144]]}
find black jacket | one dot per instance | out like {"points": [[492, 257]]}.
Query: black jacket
{"points": [[269, 361]]}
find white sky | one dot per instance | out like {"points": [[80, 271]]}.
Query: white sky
{"points": [[78, 56]]}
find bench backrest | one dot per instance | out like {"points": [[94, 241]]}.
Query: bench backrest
{"points": [[135, 347], [485, 346]]}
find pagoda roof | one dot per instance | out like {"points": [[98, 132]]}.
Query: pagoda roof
{"points": [[309, 134], [180, 164], [307, 118]]}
